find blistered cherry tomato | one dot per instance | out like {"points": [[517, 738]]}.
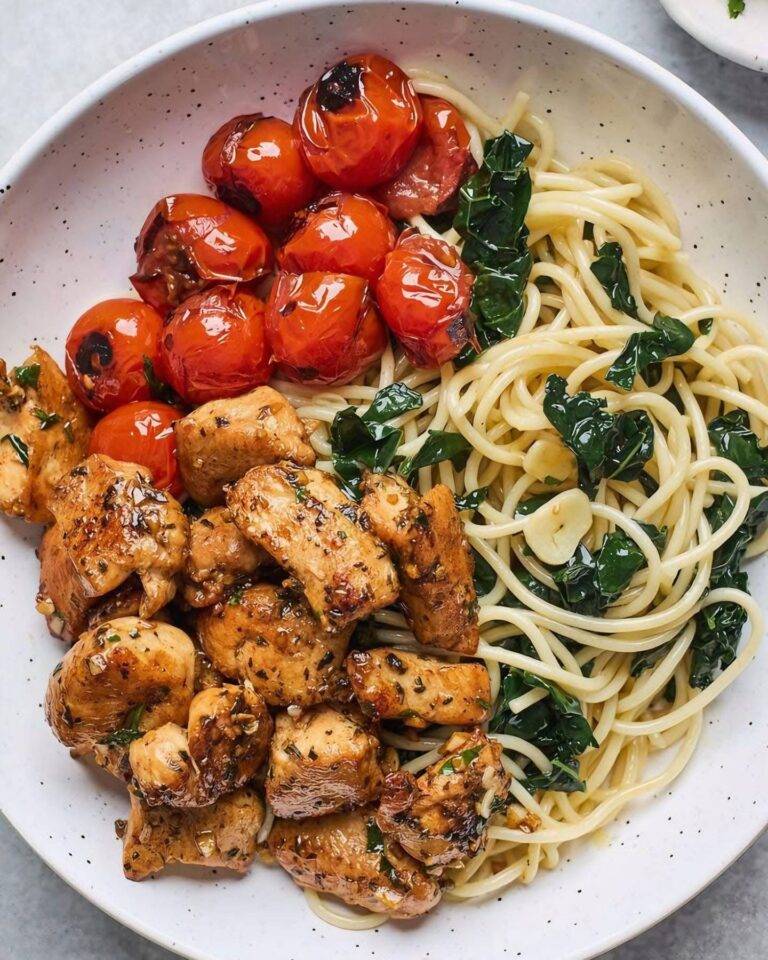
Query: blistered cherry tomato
{"points": [[256, 164], [108, 351], [189, 242], [323, 327], [215, 345], [142, 432], [359, 123], [342, 233], [438, 166], [424, 296]]}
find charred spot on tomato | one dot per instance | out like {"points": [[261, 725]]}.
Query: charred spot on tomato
{"points": [[239, 197], [146, 239], [287, 309], [93, 354], [339, 86]]}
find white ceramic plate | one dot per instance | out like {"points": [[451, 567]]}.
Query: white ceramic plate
{"points": [[743, 39], [73, 200]]}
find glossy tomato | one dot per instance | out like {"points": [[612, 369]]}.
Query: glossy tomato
{"points": [[109, 350], [189, 242], [256, 164], [438, 166], [323, 327], [424, 295], [359, 123], [215, 345], [142, 432], [342, 233]]}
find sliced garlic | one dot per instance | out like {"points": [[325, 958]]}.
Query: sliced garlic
{"points": [[548, 460], [553, 532]]}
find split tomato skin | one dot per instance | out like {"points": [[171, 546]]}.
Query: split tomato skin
{"points": [[341, 233], [359, 123], [256, 163], [189, 242], [424, 296], [215, 345], [441, 162], [142, 432], [107, 352], [323, 327]]}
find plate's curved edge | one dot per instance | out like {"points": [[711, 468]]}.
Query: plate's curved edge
{"points": [[212, 27], [719, 44]]}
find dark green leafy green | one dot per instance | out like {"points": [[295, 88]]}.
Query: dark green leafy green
{"points": [[157, 387], [610, 270], [491, 219], [736, 8], [392, 401], [532, 504], [27, 376], [471, 500], [588, 584], [366, 440], [20, 448], [606, 446], [647, 659], [485, 575], [705, 326], [439, 445], [732, 438], [646, 349], [719, 625], [555, 724]]}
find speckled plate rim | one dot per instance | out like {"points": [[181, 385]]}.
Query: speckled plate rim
{"points": [[722, 42], [208, 29]]}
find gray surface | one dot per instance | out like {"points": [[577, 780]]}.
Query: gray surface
{"points": [[49, 50]]}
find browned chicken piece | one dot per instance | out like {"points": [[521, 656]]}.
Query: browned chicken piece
{"points": [[223, 746], [44, 431], [64, 600], [321, 762], [302, 519], [122, 678], [206, 675], [392, 684], [218, 556], [432, 556], [440, 816], [114, 523], [346, 855], [222, 834], [268, 636], [221, 440]]}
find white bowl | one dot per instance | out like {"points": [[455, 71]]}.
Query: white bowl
{"points": [[74, 199], [743, 39]]}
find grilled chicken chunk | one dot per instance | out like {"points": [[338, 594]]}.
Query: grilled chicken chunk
{"points": [[64, 600], [221, 440], [267, 635], [218, 556], [44, 431], [432, 556], [114, 523], [222, 748], [222, 834], [321, 762], [393, 684], [310, 527], [126, 672], [347, 855], [440, 816]]}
